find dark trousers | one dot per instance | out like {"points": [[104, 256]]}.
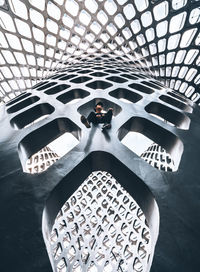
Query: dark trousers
{"points": [[104, 119]]}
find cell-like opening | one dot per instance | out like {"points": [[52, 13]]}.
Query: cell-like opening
{"points": [[45, 86], [125, 95], [152, 85], [168, 115], [98, 68], [108, 211], [81, 79], [187, 37], [45, 145], [122, 70], [89, 106], [138, 134], [130, 76], [57, 89], [40, 84], [176, 103], [99, 84], [177, 4], [31, 116], [157, 84], [177, 22], [95, 27], [98, 74], [73, 70], [85, 71], [141, 76], [57, 76], [66, 77], [141, 88], [112, 71], [177, 96], [116, 79], [18, 98], [23, 104], [72, 96]]}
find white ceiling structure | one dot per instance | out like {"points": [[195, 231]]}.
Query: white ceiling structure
{"points": [[38, 37]]}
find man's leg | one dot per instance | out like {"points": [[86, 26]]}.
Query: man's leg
{"points": [[90, 119], [108, 117]]}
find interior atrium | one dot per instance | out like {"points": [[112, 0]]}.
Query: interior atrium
{"points": [[78, 197]]}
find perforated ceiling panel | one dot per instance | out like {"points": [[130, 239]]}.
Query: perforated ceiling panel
{"points": [[39, 37]]}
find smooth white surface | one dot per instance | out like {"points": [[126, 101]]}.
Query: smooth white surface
{"points": [[136, 142]]}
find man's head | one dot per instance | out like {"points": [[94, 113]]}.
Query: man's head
{"points": [[99, 107]]}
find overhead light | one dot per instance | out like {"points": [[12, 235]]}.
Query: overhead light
{"points": [[2, 2]]}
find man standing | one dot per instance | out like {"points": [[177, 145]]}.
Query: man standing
{"points": [[98, 116]]}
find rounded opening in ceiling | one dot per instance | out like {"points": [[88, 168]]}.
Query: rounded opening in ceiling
{"points": [[86, 108], [176, 103], [42, 147], [140, 134], [65, 40], [32, 116], [168, 115], [126, 95], [18, 98], [72, 96], [23, 104]]}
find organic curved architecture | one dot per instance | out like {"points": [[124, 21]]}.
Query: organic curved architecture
{"points": [[159, 37], [84, 199]]}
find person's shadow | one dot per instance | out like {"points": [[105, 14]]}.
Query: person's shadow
{"points": [[91, 135], [106, 134], [90, 138]]}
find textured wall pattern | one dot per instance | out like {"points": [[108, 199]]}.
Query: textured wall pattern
{"points": [[118, 85], [39, 37], [141, 105], [100, 228], [40, 161], [156, 156]]}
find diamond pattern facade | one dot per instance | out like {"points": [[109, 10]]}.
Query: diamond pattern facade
{"points": [[140, 105], [100, 228], [160, 37], [156, 156], [57, 60], [101, 79], [41, 161]]}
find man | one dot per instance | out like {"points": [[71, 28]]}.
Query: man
{"points": [[98, 117]]}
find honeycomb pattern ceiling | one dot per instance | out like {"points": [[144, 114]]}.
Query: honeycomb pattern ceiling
{"points": [[39, 37]]}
